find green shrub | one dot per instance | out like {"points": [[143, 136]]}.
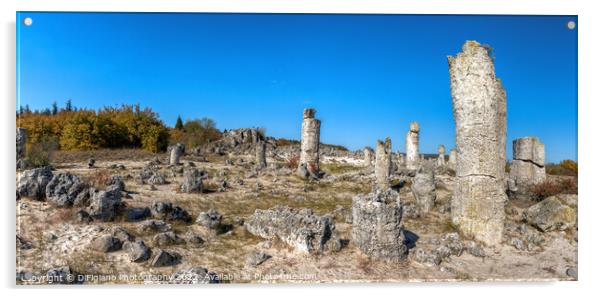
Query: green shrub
{"points": [[40, 153]]}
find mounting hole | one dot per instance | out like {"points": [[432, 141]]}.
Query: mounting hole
{"points": [[571, 25]]}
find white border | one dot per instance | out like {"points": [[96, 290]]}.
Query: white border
{"points": [[589, 139]]}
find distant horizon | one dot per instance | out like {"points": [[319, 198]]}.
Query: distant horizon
{"points": [[368, 76]]}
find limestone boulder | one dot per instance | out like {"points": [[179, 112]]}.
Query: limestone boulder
{"points": [[298, 227], [551, 214]]}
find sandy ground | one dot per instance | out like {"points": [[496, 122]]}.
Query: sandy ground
{"points": [[58, 240]]}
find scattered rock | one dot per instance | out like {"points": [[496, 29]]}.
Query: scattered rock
{"points": [[154, 226], [210, 219], [299, 228], [105, 204], [165, 258], [60, 275], [64, 188], [106, 244], [551, 214], [137, 251], [193, 181], [137, 214], [32, 183], [91, 163], [166, 239]]}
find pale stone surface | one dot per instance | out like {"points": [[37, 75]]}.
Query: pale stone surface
{"points": [[260, 159], [377, 225], [412, 151], [441, 157], [451, 162], [423, 188], [368, 156], [310, 142], [176, 151], [479, 105], [21, 147], [528, 166], [382, 165]]}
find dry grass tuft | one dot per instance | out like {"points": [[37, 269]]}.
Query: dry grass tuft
{"points": [[550, 187]]}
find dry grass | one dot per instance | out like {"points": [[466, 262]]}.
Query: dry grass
{"points": [[292, 162], [102, 155], [553, 187]]}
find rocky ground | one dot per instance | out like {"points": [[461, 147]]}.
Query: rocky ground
{"points": [[206, 234]]}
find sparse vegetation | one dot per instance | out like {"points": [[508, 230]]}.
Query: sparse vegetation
{"points": [[565, 167], [553, 187]]}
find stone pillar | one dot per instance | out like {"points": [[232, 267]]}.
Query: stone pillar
{"points": [[451, 162], [412, 151], [424, 190], [528, 165], [441, 158], [176, 151], [382, 165], [479, 106], [21, 147], [310, 142], [377, 228], [260, 155], [368, 156]]}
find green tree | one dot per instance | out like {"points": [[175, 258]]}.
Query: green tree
{"points": [[179, 124], [55, 108]]}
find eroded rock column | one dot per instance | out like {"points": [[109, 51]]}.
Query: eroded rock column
{"points": [[451, 162], [412, 151], [260, 155], [377, 225], [21, 149], [368, 156], [174, 155], [382, 165], [441, 157], [528, 165], [479, 106], [310, 143]]}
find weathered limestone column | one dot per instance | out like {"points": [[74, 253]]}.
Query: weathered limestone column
{"points": [[260, 155], [424, 191], [479, 105], [176, 151], [451, 162], [528, 165], [412, 151], [310, 142], [21, 147], [441, 158], [377, 225], [368, 156], [382, 165]]}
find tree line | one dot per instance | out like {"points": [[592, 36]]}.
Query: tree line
{"points": [[128, 126]]}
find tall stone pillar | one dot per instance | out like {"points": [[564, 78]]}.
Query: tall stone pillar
{"points": [[479, 106], [441, 158], [451, 162], [368, 156], [528, 166], [21, 147], [382, 165], [175, 152], [412, 151], [260, 161], [310, 143]]}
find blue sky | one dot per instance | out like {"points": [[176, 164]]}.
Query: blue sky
{"points": [[368, 76]]}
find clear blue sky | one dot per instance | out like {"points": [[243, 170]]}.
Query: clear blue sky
{"points": [[368, 76]]}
